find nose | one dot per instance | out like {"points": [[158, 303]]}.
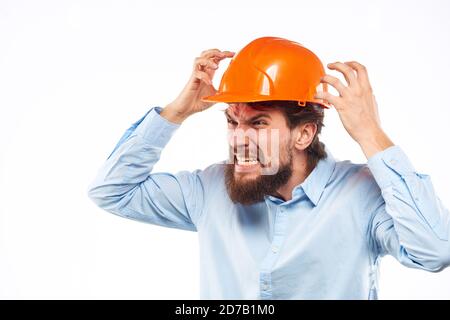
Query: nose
{"points": [[238, 139], [242, 141]]}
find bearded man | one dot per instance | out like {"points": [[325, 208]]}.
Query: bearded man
{"points": [[281, 218]]}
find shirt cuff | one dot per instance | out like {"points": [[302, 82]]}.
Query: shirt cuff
{"points": [[155, 129], [390, 165]]}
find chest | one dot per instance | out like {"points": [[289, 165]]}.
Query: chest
{"points": [[299, 233]]}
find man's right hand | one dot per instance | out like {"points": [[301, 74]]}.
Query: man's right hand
{"points": [[199, 85]]}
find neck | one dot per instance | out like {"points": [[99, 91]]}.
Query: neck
{"points": [[300, 172]]}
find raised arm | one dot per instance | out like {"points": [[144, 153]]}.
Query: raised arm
{"points": [[125, 184], [409, 221]]}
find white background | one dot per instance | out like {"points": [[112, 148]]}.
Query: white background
{"points": [[75, 74]]}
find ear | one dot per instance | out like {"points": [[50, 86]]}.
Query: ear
{"points": [[304, 135]]}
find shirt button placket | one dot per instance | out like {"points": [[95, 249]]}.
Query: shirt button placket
{"points": [[272, 255]]}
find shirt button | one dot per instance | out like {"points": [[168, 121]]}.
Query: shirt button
{"points": [[274, 249], [265, 286]]}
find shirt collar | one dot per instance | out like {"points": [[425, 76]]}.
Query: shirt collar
{"points": [[314, 185]]}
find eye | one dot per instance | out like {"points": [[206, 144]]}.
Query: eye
{"points": [[232, 122], [259, 123]]}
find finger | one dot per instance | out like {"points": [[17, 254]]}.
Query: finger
{"points": [[220, 56], [216, 53], [346, 70], [361, 71], [228, 53], [334, 100], [336, 83], [202, 63], [203, 76]]}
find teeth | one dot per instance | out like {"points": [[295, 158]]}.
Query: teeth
{"points": [[246, 161]]}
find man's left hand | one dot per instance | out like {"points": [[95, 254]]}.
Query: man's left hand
{"points": [[356, 106]]}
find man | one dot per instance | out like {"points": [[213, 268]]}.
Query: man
{"points": [[281, 219]]}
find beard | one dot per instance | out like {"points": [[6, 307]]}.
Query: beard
{"points": [[250, 191]]}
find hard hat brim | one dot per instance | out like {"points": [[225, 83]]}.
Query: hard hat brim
{"points": [[235, 98]]}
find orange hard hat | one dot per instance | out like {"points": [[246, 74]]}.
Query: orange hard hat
{"points": [[272, 68]]}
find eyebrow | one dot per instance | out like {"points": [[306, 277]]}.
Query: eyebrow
{"points": [[261, 115]]}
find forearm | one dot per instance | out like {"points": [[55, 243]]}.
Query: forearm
{"points": [[173, 114], [374, 142]]}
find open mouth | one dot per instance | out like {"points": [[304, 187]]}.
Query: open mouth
{"points": [[245, 161], [248, 159]]}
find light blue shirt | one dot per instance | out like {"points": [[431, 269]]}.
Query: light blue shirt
{"points": [[324, 243]]}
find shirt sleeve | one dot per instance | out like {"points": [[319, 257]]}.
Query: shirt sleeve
{"points": [[126, 186], [410, 221]]}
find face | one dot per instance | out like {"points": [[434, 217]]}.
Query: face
{"points": [[260, 152]]}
